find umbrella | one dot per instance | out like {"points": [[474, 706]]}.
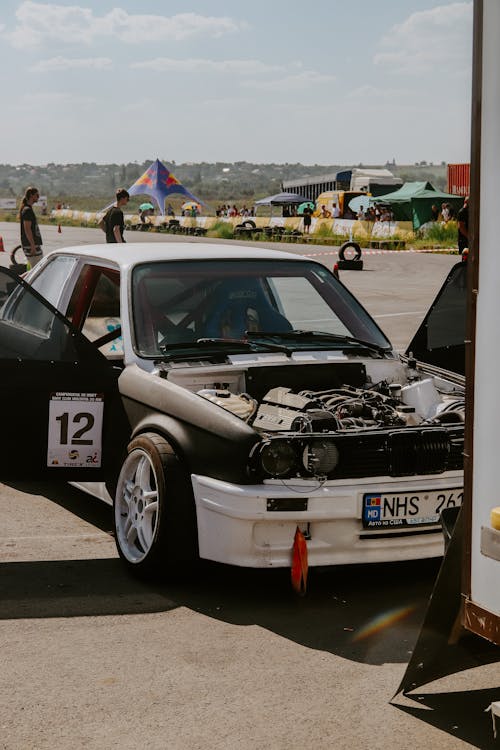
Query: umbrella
{"points": [[189, 205], [303, 206], [146, 207], [360, 200]]}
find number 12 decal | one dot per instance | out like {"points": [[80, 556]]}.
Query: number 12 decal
{"points": [[75, 430]]}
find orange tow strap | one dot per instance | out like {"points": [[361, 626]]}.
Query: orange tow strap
{"points": [[299, 563]]}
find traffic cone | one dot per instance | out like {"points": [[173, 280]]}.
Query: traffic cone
{"points": [[59, 230], [2, 249]]}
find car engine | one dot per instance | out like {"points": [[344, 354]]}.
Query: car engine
{"points": [[340, 420], [345, 408]]}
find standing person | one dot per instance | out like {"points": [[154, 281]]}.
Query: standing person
{"points": [[31, 238], [445, 212], [113, 222], [435, 213], [307, 219], [463, 226]]}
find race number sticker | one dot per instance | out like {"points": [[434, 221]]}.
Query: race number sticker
{"points": [[75, 430]]}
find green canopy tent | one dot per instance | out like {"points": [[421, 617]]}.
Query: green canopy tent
{"points": [[413, 201]]}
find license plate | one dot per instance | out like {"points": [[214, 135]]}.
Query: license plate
{"points": [[389, 510]]}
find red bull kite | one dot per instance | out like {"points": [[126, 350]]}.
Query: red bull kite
{"points": [[159, 183]]}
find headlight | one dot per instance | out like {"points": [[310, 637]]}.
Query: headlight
{"points": [[320, 456], [277, 458]]}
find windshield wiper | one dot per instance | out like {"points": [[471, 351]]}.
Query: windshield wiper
{"points": [[320, 336], [245, 342], [224, 343]]}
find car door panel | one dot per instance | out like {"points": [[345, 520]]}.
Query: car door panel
{"points": [[62, 415]]}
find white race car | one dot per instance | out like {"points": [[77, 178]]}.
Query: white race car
{"points": [[224, 397]]}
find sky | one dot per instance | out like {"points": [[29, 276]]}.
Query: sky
{"points": [[284, 81]]}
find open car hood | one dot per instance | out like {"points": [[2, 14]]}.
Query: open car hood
{"points": [[440, 339]]}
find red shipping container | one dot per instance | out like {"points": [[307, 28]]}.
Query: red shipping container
{"points": [[458, 179]]}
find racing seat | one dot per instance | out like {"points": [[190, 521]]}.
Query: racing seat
{"points": [[242, 306]]}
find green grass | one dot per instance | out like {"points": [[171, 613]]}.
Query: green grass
{"points": [[221, 229], [323, 230], [437, 236]]}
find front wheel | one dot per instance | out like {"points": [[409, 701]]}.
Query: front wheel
{"points": [[155, 519]]}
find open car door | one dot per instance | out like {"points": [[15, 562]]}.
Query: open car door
{"points": [[62, 415], [440, 339]]}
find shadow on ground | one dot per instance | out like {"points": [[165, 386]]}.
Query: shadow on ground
{"points": [[368, 613], [461, 714]]}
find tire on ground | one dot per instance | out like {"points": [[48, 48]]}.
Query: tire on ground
{"points": [[348, 246], [350, 265], [172, 547]]}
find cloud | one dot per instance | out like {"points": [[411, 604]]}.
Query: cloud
{"points": [[198, 65], [303, 80], [363, 93], [41, 22], [44, 102], [439, 39], [299, 80], [66, 63]]}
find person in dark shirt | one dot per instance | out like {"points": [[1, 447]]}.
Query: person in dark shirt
{"points": [[463, 226], [113, 222], [307, 214], [31, 238], [435, 213]]}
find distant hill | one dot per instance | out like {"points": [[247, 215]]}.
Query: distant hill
{"points": [[90, 185]]}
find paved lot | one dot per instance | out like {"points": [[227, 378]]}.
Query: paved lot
{"points": [[93, 659]]}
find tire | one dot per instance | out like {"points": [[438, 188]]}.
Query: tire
{"points": [[350, 265], [154, 511], [248, 223], [15, 265], [348, 246], [13, 254]]}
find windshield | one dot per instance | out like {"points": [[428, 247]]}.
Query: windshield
{"points": [[178, 303]]}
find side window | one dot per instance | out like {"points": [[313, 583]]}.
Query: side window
{"points": [[51, 283], [25, 311], [30, 331], [94, 307]]}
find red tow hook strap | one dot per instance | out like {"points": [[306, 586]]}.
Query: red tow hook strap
{"points": [[299, 563]]}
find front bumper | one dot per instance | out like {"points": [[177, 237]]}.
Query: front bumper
{"points": [[235, 526]]}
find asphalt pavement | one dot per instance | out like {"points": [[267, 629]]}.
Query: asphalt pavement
{"points": [[94, 659]]}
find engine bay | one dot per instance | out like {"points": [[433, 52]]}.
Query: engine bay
{"points": [[329, 397]]}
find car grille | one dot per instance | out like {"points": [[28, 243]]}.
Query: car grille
{"points": [[395, 453], [400, 453]]}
